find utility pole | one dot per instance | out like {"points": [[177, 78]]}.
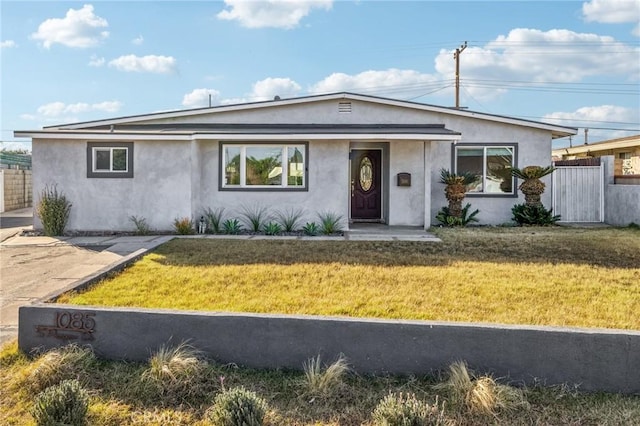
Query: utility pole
{"points": [[586, 136], [456, 56]]}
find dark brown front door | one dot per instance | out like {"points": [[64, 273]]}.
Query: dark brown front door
{"points": [[366, 188]]}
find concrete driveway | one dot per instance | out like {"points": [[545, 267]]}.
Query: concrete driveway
{"points": [[34, 267]]}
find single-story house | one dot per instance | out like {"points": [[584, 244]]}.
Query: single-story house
{"points": [[362, 157]]}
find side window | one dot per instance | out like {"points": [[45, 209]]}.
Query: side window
{"points": [[110, 160], [490, 163]]}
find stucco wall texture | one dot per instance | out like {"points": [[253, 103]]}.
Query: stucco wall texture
{"points": [[176, 179]]}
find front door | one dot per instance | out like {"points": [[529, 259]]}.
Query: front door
{"points": [[366, 184]]}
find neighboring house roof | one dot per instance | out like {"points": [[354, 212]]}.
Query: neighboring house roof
{"points": [[619, 143], [122, 123]]}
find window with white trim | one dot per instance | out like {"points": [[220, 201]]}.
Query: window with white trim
{"points": [[491, 164], [110, 160], [264, 166]]}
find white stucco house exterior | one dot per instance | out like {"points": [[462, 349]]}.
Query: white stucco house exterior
{"points": [[362, 157]]}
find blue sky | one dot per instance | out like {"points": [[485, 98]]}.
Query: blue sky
{"points": [[575, 63]]}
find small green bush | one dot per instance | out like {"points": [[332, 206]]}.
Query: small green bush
{"points": [[63, 404], [213, 218], [231, 226], [311, 229], [445, 217], [272, 228], [53, 209], [526, 214], [183, 226], [329, 222], [237, 407], [142, 227], [407, 410]]}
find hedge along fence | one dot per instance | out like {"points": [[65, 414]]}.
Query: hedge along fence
{"points": [[594, 359]]}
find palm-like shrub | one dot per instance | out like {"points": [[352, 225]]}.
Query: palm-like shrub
{"points": [[532, 187], [457, 185]]}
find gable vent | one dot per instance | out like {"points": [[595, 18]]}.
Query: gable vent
{"points": [[344, 107]]}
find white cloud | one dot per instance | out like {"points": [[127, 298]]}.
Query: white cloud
{"points": [[597, 116], [530, 55], [199, 98], [268, 88], [95, 61], [613, 12], [400, 83], [138, 40], [150, 63], [29, 117], [79, 28], [6, 44], [59, 109], [271, 13]]}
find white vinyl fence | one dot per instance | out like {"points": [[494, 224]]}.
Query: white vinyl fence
{"points": [[578, 193]]}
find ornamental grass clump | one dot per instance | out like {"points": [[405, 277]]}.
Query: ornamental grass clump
{"points": [[290, 218], [322, 382], [175, 373], [68, 362], [407, 410], [183, 226], [237, 407], [479, 395], [53, 209], [255, 217], [329, 222], [213, 219], [63, 404]]}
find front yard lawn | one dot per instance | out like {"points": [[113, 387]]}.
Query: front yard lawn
{"points": [[538, 276]]}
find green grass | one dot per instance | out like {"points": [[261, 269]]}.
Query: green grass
{"points": [[537, 276], [120, 395]]}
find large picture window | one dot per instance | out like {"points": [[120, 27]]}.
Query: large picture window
{"points": [[491, 163], [110, 160], [264, 166]]}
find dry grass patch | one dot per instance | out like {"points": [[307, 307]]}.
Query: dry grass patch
{"points": [[538, 276]]}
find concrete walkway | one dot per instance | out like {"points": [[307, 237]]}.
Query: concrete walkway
{"points": [[34, 267]]}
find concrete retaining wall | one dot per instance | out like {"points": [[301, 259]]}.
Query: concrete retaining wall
{"points": [[597, 360], [17, 189]]}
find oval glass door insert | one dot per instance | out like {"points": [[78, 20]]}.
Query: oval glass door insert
{"points": [[366, 174]]}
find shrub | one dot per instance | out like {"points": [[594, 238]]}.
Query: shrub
{"points": [[60, 364], [237, 407], [290, 218], [407, 410], [329, 222], [213, 218], [311, 229], [255, 216], [537, 214], [142, 227], [320, 381], [183, 226], [231, 226], [272, 228], [445, 217], [53, 210], [63, 404]]}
